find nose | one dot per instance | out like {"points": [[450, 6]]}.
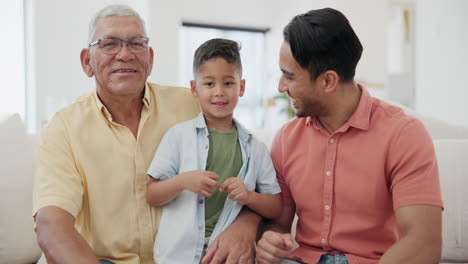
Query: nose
{"points": [[282, 85], [125, 54], [219, 90]]}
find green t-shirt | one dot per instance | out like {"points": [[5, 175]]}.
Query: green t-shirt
{"points": [[225, 159]]}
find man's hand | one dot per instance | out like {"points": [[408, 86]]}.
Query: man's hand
{"points": [[199, 181], [236, 244], [236, 190], [273, 247]]}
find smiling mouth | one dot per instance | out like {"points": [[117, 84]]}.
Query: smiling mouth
{"points": [[129, 70], [219, 104]]}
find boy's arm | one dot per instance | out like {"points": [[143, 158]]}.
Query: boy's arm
{"points": [[159, 193], [266, 205]]}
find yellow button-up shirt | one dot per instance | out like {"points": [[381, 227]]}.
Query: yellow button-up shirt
{"points": [[95, 169]]}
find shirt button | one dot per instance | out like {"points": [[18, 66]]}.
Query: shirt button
{"points": [[324, 241], [328, 173], [206, 147], [200, 201], [197, 257], [332, 140], [327, 207]]}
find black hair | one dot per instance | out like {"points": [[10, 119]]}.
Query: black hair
{"points": [[323, 40], [217, 48]]}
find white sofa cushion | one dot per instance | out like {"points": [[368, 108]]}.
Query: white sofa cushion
{"points": [[17, 239], [452, 156], [438, 129]]}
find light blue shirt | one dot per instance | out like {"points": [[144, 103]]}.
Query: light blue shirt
{"points": [[184, 147]]}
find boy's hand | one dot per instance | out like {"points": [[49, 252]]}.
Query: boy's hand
{"points": [[199, 181], [236, 190]]}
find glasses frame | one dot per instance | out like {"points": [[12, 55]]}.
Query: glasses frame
{"points": [[96, 42]]}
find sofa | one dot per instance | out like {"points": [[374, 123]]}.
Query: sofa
{"points": [[18, 241]]}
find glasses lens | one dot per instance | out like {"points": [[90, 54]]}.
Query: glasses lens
{"points": [[137, 45], [110, 46]]}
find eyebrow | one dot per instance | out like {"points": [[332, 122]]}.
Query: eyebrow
{"points": [[286, 72], [212, 77]]}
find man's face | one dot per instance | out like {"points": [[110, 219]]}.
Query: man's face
{"points": [[218, 87], [124, 73], [296, 81]]}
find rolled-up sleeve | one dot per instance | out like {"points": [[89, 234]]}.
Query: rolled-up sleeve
{"points": [[266, 180], [165, 163]]}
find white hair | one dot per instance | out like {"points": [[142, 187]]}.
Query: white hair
{"points": [[114, 10]]}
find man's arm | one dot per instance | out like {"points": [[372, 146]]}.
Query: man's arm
{"points": [[236, 243], [59, 240], [421, 236], [276, 241]]}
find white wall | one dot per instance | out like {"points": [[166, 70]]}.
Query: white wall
{"points": [[442, 59], [12, 45], [58, 31]]}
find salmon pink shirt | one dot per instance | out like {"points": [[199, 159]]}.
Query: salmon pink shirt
{"points": [[347, 185]]}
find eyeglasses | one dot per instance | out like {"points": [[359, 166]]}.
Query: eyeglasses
{"points": [[112, 46]]}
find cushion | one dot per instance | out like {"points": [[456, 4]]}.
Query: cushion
{"points": [[17, 238], [453, 167], [438, 129]]}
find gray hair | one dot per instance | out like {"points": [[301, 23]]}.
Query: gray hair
{"points": [[114, 10]]}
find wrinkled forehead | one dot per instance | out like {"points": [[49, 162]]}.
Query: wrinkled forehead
{"points": [[118, 27]]}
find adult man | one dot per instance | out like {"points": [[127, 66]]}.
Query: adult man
{"points": [[94, 155], [360, 174]]}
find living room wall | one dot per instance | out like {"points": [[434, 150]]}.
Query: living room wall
{"points": [[57, 31], [442, 59]]}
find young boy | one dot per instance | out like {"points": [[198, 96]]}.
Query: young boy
{"points": [[202, 162]]}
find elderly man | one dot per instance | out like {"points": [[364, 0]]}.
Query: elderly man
{"points": [[89, 193], [360, 174]]}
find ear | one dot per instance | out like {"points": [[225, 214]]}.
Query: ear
{"points": [[151, 53], [330, 80], [85, 59], [242, 88], [193, 88]]}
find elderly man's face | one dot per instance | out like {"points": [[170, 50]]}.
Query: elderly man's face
{"points": [[124, 73]]}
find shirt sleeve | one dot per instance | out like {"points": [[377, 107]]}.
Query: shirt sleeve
{"points": [[165, 163], [277, 158], [57, 181], [266, 179], [414, 173]]}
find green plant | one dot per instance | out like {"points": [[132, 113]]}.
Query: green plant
{"points": [[287, 105]]}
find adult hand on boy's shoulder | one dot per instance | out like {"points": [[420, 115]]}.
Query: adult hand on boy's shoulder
{"points": [[236, 190], [199, 181]]}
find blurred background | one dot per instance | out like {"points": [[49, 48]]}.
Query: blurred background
{"points": [[415, 51]]}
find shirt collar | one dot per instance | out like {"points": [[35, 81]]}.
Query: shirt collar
{"points": [[360, 118], [244, 134], [102, 108]]}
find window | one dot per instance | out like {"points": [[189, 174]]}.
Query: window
{"points": [[249, 110]]}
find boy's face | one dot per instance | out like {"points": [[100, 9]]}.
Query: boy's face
{"points": [[218, 87]]}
